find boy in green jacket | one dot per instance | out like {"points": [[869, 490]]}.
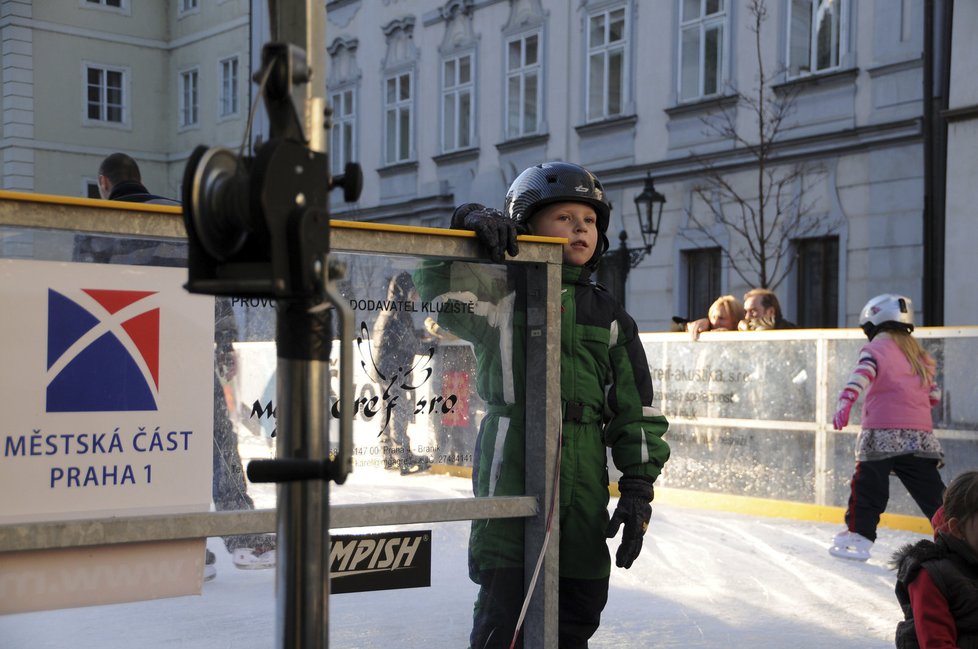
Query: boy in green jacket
{"points": [[606, 395]]}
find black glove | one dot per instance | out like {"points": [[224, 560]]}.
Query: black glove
{"points": [[634, 511], [496, 232]]}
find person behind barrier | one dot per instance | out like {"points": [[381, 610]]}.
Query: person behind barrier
{"points": [[230, 489], [119, 179], [763, 312], [396, 343], [606, 395], [724, 315], [937, 581], [897, 435]]}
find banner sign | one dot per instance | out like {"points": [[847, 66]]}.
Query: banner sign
{"points": [[384, 561], [108, 378]]}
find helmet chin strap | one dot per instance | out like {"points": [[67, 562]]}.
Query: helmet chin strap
{"points": [[872, 330], [603, 245]]}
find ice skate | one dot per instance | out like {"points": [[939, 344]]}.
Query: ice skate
{"points": [[412, 464], [253, 558], [850, 545]]}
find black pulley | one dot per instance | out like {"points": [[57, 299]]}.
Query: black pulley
{"points": [[215, 199]]}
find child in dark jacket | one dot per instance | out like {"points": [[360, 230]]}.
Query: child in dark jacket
{"points": [[605, 389], [937, 581]]}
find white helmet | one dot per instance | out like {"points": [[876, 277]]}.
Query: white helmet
{"points": [[887, 311]]}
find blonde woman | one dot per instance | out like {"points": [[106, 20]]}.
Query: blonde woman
{"points": [[724, 314]]}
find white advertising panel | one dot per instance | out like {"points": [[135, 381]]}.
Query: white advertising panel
{"points": [[107, 382]]}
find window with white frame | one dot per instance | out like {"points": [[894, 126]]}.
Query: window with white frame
{"points": [[607, 41], [116, 4], [229, 87], [105, 94], [398, 125], [188, 98], [342, 135], [702, 45], [458, 121], [187, 6], [815, 35], [523, 85]]}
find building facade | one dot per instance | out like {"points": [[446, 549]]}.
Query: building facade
{"points": [[961, 117], [85, 78], [446, 102], [815, 129]]}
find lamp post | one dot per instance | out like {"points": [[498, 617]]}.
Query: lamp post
{"points": [[648, 211]]}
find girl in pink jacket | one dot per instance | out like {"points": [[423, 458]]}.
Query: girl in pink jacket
{"points": [[897, 435]]}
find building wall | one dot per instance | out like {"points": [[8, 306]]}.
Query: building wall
{"points": [[48, 144], [857, 126], [961, 305]]}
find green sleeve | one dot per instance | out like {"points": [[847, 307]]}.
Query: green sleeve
{"points": [[636, 427]]}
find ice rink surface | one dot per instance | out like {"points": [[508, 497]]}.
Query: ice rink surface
{"points": [[704, 580]]}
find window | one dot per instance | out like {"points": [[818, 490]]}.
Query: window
{"points": [[606, 41], [106, 96], [523, 85], [456, 105], [229, 87], [397, 118], [188, 98], [342, 135], [106, 3], [701, 48], [818, 282], [702, 280], [815, 36], [91, 189], [187, 6]]}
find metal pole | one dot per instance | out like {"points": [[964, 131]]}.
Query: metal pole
{"points": [[303, 339], [304, 24]]}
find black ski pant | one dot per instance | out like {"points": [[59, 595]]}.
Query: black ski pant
{"points": [[501, 598], [870, 490]]}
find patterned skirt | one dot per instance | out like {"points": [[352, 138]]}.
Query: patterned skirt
{"points": [[882, 443]]}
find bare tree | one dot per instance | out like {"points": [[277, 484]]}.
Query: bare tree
{"points": [[763, 218]]}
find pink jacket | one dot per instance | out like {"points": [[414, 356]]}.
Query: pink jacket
{"points": [[896, 398]]}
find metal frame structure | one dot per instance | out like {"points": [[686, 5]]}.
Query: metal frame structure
{"points": [[820, 426], [543, 259]]}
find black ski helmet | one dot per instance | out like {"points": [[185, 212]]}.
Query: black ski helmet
{"points": [[556, 182]]}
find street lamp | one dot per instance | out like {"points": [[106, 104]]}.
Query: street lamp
{"points": [[648, 211]]}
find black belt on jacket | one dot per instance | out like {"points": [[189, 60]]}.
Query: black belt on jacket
{"points": [[573, 411]]}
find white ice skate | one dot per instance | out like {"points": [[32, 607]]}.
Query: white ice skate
{"points": [[253, 558], [850, 545]]}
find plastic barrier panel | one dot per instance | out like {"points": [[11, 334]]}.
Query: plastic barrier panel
{"points": [[751, 412]]}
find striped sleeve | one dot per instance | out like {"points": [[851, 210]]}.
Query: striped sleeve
{"points": [[861, 377]]}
